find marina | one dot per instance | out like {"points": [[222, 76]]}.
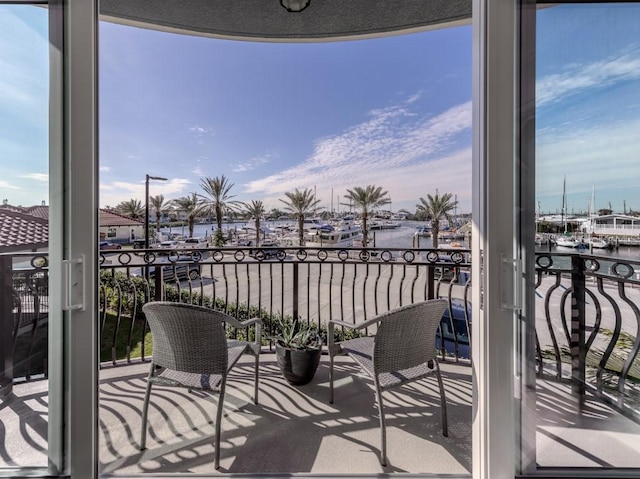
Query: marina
{"points": [[407, 235]]}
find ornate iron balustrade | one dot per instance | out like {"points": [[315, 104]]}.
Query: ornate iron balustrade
{"points": [[310, 284], [587, 315], [588, 323], [24, 308]]}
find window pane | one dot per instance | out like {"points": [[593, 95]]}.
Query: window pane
{"points": [[588, 224], [24, 184]]}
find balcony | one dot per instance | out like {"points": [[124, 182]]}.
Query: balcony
{"points": [[586, 370]]}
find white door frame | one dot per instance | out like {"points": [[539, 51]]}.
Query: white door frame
{"points": [[494, 238], [80, 197], [495, 235]]}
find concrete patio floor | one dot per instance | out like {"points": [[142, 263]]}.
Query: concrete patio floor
{"points": [[292, 429], [296, 430]]}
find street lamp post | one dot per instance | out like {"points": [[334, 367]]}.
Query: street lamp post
{"points": [[146, 206]]}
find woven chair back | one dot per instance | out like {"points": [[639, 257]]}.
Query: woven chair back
{"points": [[187, 338], [406, 337]]}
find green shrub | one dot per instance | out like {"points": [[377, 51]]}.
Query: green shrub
{"points": [[124, 297]]}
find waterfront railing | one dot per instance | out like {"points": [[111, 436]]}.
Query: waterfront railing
{"points": [[586, 320]]}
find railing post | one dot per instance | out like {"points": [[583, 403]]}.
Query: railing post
{"points": [[578, 352], [431, 282], [6, 325], [295, 291], [158, 283]]}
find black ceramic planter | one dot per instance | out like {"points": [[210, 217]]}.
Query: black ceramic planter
{"points": [[298, 366]]}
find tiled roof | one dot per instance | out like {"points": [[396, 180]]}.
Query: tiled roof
{"points": [[27, 227], [109, 218], [19, 231], [39, 211]]}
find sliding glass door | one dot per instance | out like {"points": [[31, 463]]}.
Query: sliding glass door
{"points": [[580, 117], [48, 238]]}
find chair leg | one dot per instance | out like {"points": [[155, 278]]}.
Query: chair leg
{"points": [[256, 378], [218, 421], [443, 402], [145, 409], [330, 378], [383, 428]]}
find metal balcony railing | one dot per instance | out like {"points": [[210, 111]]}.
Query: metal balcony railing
{"points": [[587, 316]]}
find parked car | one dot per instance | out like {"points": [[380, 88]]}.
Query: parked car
{"points": [[270, 250], [138, 244], [168, 245], [184, 267], [194, 243], [106, 245], [455, 329]]}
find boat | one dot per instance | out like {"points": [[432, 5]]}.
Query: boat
{"points": [[424, 231], [600, 243], [567, 242], [313, 225], [450, 235], [541, 240], [343, 235]]}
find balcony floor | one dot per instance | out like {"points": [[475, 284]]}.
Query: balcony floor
{"points": [[292, 429], [296, 430]]}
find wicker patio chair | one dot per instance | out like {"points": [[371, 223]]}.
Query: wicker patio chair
{"points": [[402, 350], [191, 349]]}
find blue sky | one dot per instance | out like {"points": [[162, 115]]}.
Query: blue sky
{"points": [[275, 117], [588, 106], [394, 111]]}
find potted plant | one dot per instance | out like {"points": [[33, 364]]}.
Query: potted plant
{"points": [[298, 351]]}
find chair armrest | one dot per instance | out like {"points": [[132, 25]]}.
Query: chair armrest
{"points": [[258, 323], [336, 322], [249, 322]]}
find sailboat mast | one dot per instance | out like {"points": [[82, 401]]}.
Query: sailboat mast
{"points": [[564, 203]]}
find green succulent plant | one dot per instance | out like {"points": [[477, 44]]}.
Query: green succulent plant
{"points": [[297, 335]]}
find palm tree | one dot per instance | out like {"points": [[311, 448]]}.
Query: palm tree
{"points": [[300, 203], [192, 206], [255, 209], [159, 206], [218, 197], [131, 208], [436, 208], [367, 199]]}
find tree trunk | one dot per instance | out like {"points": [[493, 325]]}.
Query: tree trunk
{"points": [[435, 231]]}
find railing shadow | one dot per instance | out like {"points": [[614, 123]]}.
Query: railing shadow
{"points": [[317, 436]]}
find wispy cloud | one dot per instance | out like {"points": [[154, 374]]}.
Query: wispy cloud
{"points": [[43, 177], [579, 77], [394, 149], [200, 130], [604, 156], [253, 163], [115, 192], [105, 169], [7, 185]]}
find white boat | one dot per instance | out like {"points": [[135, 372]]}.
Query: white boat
{"points": [[424, 231], [567, 242], [599, 243], [343, 235], [375, 224], [541, 240], [314, 225], [450, 235]]}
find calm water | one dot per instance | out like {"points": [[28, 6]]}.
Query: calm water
{"points": [[403, 237]]}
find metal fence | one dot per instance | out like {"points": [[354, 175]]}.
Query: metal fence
{"points": [[588, 324], [587, 318], [308, 284]]}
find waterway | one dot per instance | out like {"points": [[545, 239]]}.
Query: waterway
{"points": [[403, 237]]}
